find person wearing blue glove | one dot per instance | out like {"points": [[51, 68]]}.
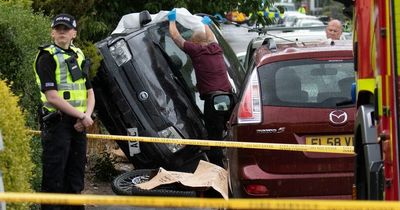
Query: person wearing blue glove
{"points": [[172, 15], [211, 76], [206, 20]]}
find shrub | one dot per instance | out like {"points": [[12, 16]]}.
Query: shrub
{"points": [[15, 161], [21, 32]]}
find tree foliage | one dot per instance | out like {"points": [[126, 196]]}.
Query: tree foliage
{"points": [[21, 32], [97, 19], [26, 4]]}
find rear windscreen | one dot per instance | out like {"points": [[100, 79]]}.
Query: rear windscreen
{"points": [[307, 83]]}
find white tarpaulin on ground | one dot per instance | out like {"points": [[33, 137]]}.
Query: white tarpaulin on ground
{"points": [[183, 16], [206, 175]]}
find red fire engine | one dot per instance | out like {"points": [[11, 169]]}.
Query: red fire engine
{"points": [[376, 26]]}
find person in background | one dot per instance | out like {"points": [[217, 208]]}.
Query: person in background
{"points": [[68, 102], [211, 75], [281, 15], [302, 9], [334, 30]]}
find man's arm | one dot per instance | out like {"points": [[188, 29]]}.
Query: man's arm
{"points": [[209, 35], [175, 35]]}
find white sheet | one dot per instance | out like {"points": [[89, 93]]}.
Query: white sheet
{"points": [[183, 16]]}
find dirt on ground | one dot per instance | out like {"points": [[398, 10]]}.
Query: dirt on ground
{"points": [[99, 149]]}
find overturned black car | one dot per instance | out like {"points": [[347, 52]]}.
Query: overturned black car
{"points": [[146, 87]]}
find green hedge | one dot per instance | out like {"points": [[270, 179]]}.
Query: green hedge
{"points": [[21, 32], [15, 161]]}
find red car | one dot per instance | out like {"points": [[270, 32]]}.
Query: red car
{"points": [[294, 95]]}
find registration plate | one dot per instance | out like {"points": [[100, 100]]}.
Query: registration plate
{"points": [[340, 140], [134, 146]]}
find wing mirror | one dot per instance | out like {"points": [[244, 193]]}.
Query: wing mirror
{"points": [[144, 17], [223, 102]]}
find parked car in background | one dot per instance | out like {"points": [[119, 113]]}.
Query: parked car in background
{"points": [[236, 16], [307, 23], [307, 20], [294, 94], [145, 86], [290, 16]]}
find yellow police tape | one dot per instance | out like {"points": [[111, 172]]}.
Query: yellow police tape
{"points": [[213, 143], [179, 202]]}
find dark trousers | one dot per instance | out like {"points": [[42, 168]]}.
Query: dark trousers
{"points": [[64, 159], [215, 125]]}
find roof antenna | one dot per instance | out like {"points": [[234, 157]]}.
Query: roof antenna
{"points": [[332, 43]]}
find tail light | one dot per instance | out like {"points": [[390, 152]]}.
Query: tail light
{"points": [[257, 190], [250, 105]]}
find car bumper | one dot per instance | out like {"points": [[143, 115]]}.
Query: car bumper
{"points": [[316, 185]]}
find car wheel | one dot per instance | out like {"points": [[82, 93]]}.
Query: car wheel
{"points": [[124, 184]]}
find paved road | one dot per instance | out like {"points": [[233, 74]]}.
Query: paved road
{"points": [[237, 37]]}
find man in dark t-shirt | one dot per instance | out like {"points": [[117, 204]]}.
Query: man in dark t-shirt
{"points": [[211, 75]]}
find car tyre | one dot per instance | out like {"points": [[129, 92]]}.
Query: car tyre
{"points": [[124, 184]]}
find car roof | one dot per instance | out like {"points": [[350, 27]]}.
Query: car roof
{"points": [[292, 37], [297, 36], [293, 51], [309, 22]]}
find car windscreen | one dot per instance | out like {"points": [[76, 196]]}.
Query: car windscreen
{"points": [[307, 83]]}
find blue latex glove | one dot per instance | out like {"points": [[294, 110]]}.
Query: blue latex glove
{"points": [[172, 15], [206, 20]]}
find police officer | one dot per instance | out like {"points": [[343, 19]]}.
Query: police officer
{"points": [[302, 9], [68, 103]]}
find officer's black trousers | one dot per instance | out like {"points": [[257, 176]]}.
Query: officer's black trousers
{"points": [[64, 159]]}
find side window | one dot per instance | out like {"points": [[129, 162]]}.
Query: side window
{"points": [[179, 62]]}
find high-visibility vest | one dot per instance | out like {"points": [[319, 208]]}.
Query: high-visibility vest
{"points": [[269, 14], [77, 89], [302, 10]]}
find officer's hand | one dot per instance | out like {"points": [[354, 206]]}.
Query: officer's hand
{"points": [[87, 121], [172, 15], [206, 20], [79, 126]]}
